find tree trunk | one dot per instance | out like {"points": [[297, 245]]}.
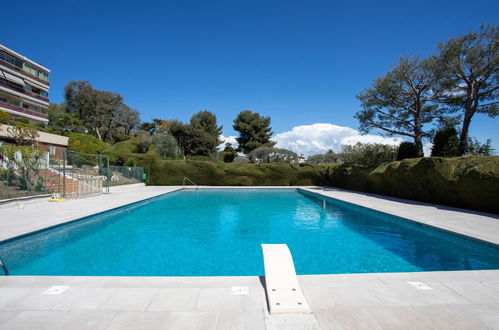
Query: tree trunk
{"points": [[417, 131], [98, 133], [470, 109]]}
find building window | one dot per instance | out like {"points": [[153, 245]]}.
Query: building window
{"points": [[3, 100], [52, 150]]}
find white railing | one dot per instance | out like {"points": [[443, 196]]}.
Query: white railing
{"points": [[189, 180]]}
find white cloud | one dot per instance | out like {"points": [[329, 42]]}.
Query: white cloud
{"points": [[320, 137], [227, 139]]}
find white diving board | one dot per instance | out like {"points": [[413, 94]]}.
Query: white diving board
{"points": [[283, 292]]}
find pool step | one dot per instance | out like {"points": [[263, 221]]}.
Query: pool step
{"points": [[284, 295]]}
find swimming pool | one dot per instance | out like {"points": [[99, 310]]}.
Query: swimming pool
{"points": [[219, 231]]}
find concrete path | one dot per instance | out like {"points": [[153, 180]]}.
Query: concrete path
{"points": [[444, 300]]}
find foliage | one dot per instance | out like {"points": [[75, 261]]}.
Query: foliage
{"points": [[23, 135], [476, 148], [468, 69], [264, 155], [254, 131], [200, 137], [400, 102], [465, 182], [4, 117], [368, 154], [60, 118], [86, 143], [407, 150], [241, 160], [26, 161], [152, 126], [143, 146], [228, 157], [229, 153], [120, 137], [172, 172], [103, 113], [445, 143], [328, 157], [166, 145]]}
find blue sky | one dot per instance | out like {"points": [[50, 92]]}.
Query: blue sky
{"points": [[300, 62]]}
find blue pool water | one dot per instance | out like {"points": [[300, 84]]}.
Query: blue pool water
{"points": [[219, 232]]}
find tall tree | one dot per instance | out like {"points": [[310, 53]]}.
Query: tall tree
{"points": [[127, 118], [254, 131], [103, 118], [467, 67], [400, 102]]}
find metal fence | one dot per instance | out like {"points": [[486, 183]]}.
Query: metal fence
{"points": [[77, 175], [126, 175], [22, 180]]}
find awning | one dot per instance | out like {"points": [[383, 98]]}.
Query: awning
{"points": [[12, 78]]}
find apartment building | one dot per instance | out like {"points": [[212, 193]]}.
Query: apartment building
{"points": [[24, 87]]}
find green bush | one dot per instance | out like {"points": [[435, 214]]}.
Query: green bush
{"points": [[120, 138], [228, 156], [368, 154], [241, 160], [264, 155], [407, 150], [172, 172], [120, 153], [445, 143], [86, 143], [466, 182]]}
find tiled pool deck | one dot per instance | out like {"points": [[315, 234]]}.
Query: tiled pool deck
{"points": [[455, 300]]}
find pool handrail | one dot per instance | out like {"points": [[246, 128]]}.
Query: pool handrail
{"points": [[2, 265], [187, 179]]}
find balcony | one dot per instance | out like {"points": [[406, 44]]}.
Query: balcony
{"points": [[23, 91], [26, 111], [24, 73]]}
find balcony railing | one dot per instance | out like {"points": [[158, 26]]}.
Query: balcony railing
{"points": [[21, 71], [23, 91], [26, 111]]}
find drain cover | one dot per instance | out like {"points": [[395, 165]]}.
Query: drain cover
{"points": [[239, 290], [420, 285], [56, 289]]}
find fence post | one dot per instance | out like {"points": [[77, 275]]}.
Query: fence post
{"points": [[64, 159]]}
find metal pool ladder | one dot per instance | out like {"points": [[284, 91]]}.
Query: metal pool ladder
{"points": [[189, 180], [2, 265]]}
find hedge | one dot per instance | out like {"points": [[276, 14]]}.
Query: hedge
{"points": [[85, 143], [172, 172], [465, 182]]}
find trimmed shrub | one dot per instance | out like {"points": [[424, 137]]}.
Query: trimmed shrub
{"points": [[228, 156], [407, 150], [120, 137], [86, 143], [466, 182], [445, 143], [172, 172]]}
